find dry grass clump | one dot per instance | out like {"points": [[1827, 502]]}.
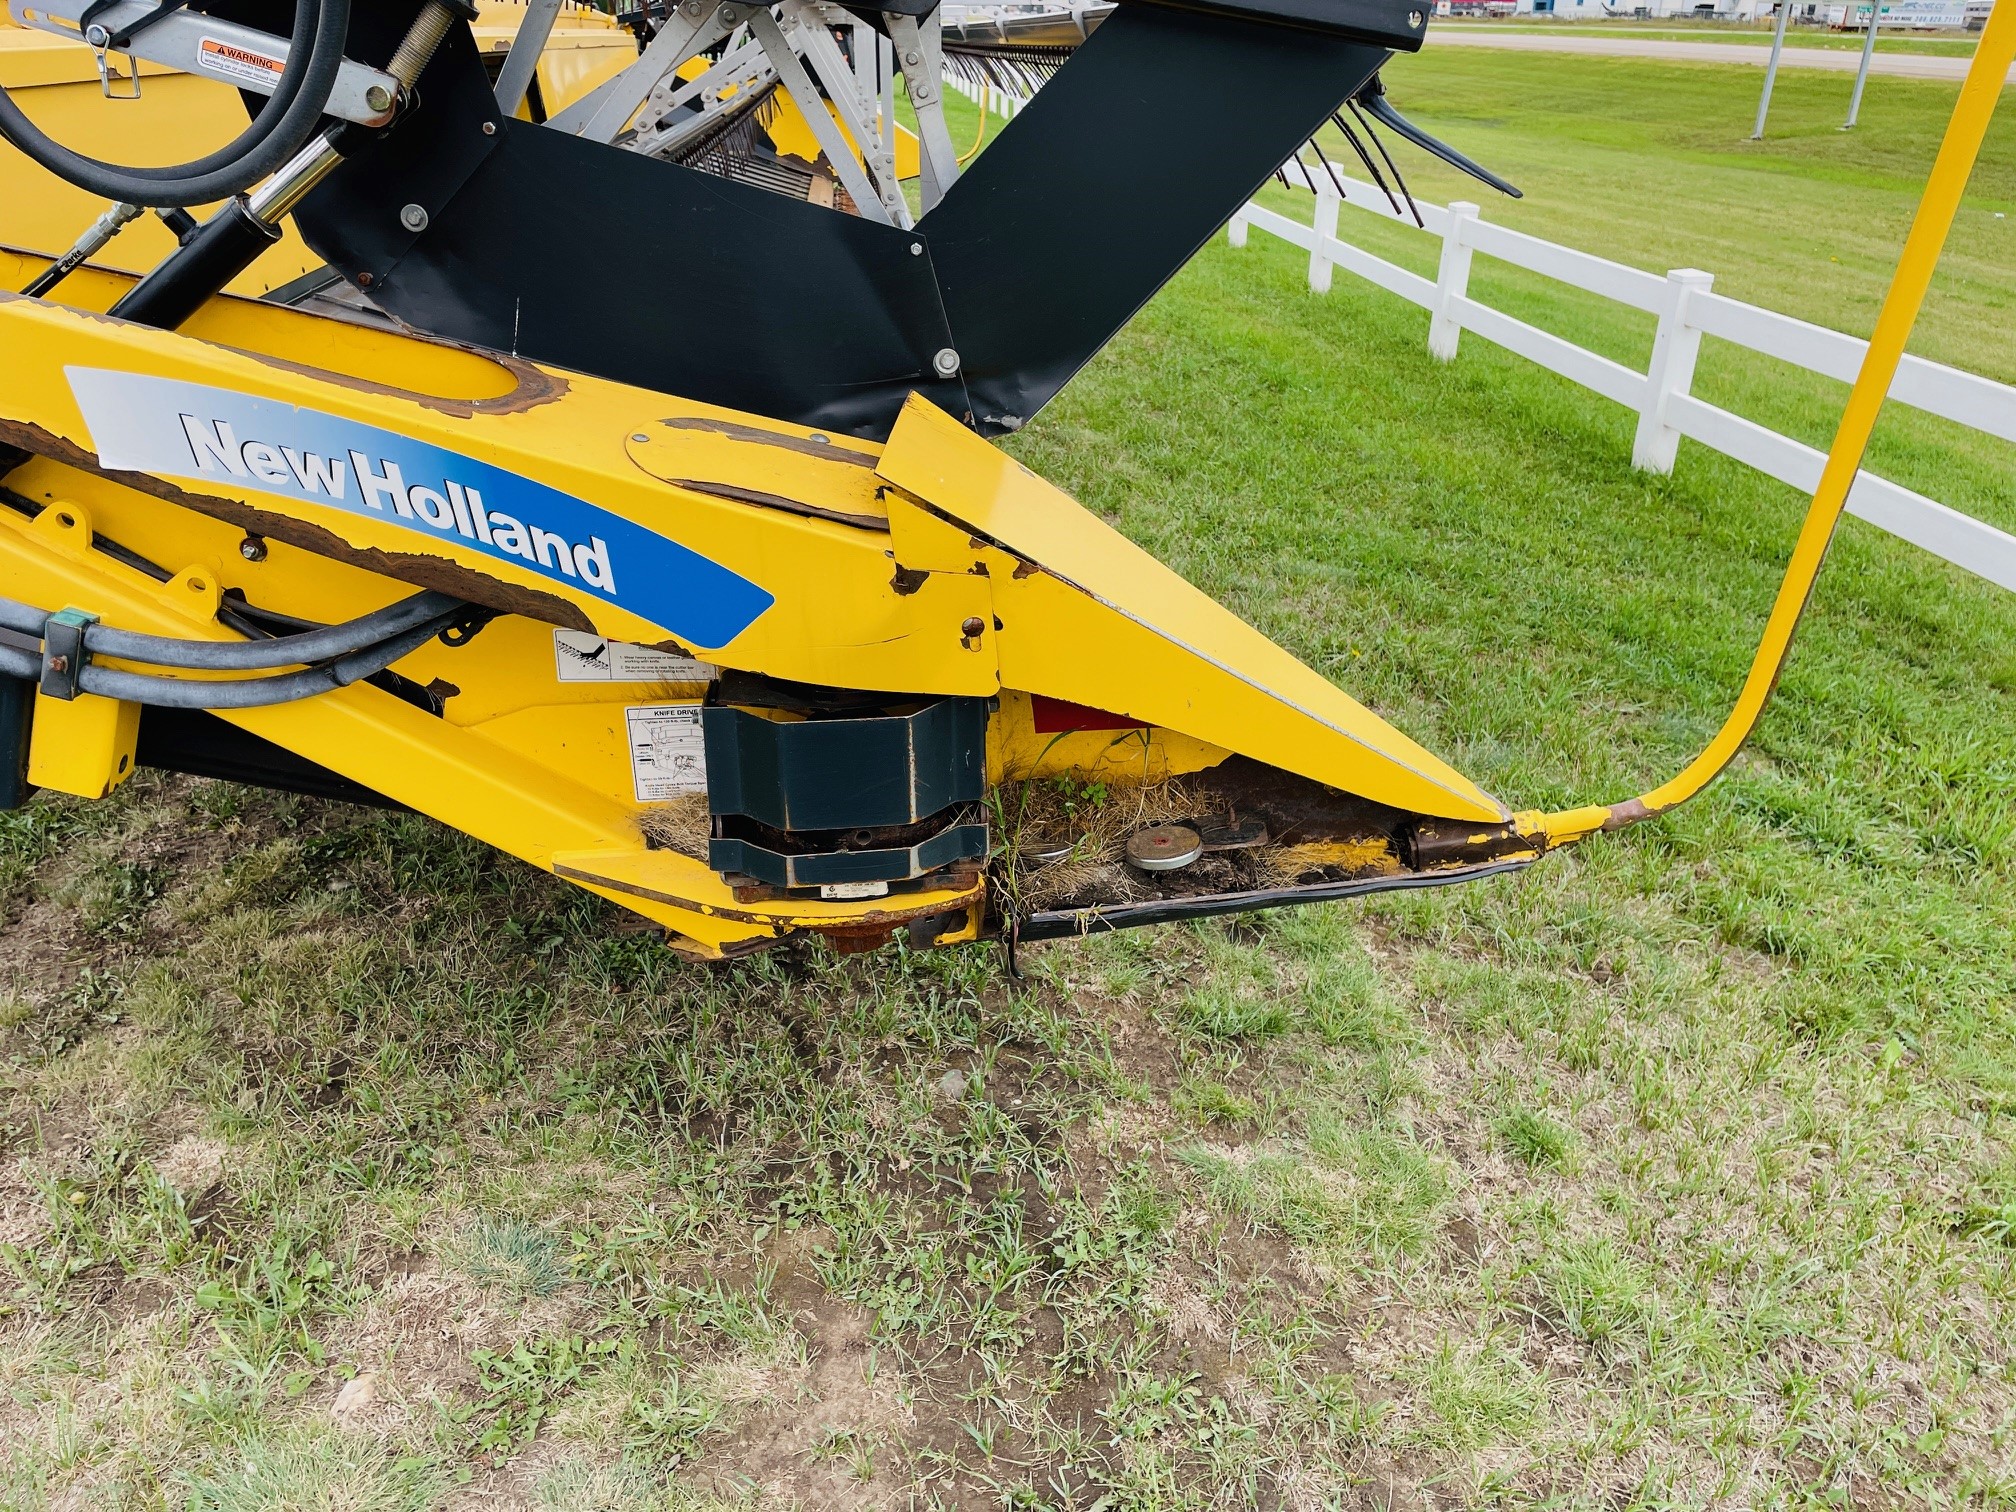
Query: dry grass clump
{"points": [[679, 824], [1095, 822]]}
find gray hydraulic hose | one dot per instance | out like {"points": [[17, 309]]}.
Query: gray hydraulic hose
{"points": [[283, 125], [300, 650], [283, 651], [242, 693]]}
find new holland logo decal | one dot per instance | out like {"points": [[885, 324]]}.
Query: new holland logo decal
{"points": [[187, 430]]}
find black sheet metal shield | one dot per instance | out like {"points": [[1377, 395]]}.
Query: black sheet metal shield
{"points": [[1121, 167], [574, 253], [592, 258]]}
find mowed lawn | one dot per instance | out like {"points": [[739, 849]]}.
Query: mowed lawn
{"points": [[348, 1165]]}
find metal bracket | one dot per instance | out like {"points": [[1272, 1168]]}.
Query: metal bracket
{"points": [[63, 653], [691, 28], [515, 78], [763, 27], [923, 63], [240, 56], [844, 90]]}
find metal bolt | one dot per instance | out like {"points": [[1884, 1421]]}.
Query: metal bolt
{"points": [[363, 280], [916, 249], [379, 98], [726, 15], [413, 218], [489, 128], [973, 628], [639, 436], [59, 664], [946, 362], [253, 548], [913, 57], [97, 36], [1414, 19]]}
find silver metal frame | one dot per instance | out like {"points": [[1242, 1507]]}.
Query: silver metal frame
{"points": [[176, 41]]}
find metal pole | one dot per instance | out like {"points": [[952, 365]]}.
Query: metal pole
{"points": [[1862, 74], [1771, 72]]}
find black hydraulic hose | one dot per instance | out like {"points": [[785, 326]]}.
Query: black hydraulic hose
{"points": [[240, 693], [301, 650], [281, 128]]}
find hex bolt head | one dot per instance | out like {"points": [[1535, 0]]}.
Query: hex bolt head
{"points": [[379, 98], [97, 36], [253, 548], [916, 249], [946, 362], [489, 128], [973, 628], [913, 57], [413, 218]]}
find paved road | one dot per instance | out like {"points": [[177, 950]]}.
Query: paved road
{"points": [[1898, 65]]}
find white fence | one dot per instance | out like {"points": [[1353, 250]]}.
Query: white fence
{"points": [[1687, 309]]}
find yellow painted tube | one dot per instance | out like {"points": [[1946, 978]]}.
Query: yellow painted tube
{"points": [[1927, 238]]}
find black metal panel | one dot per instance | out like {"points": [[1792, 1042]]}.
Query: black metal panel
{"points": [[578, 254], [851, 773], [17, 717], [189, 740], [1120, 168], [957, 842], [597, 259]]}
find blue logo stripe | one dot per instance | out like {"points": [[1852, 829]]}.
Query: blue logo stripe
{"points": [[187, 430]]}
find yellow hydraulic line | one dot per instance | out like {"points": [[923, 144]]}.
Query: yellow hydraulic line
{"points": [[1957, 151], [980, 136]]}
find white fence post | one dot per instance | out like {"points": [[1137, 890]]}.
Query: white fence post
{"points": [[1235, 228], [1320, 265], [1674, 350], [1452, 282]]}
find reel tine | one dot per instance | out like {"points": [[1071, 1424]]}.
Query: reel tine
{"points": [[1365, 158], [1413, 209]]}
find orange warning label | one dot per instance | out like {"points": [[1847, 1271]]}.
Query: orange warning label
{"points": [[241, 65]]}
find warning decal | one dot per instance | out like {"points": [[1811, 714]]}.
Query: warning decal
{"points": [[239, 64], [668, 756], [584, 656]]}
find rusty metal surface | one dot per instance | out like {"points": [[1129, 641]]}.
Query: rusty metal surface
{"points": [[825, 451]]}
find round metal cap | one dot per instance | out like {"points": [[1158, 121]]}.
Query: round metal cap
{"points": [[946, 362], [1164, 847]]}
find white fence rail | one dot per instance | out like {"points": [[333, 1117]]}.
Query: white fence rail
{"points": [[1687, 309]]}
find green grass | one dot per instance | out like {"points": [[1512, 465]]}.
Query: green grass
{"points": [[1676, 1172]]}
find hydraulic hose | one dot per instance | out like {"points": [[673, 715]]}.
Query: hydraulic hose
{"points": [[241, 693], [276, 133], [1936, 209], [245, 656]]}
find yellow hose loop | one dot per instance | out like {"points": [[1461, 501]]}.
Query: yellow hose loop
{"points": [[980, 136], [1936, 209]]}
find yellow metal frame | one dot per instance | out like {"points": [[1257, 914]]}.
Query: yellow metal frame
{"points": [[930, 565]]}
